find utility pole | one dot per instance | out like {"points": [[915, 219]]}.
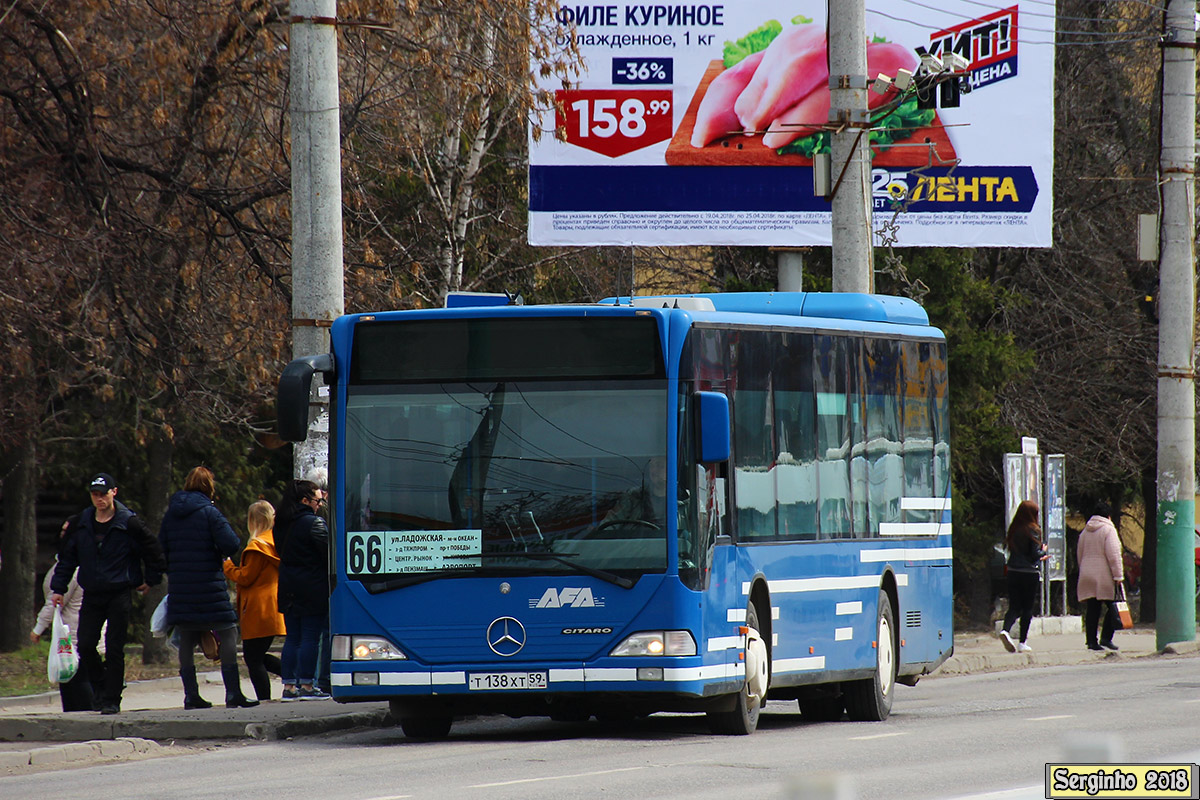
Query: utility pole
{"points": [[853, 256], [317, 288], [1176, 598]]}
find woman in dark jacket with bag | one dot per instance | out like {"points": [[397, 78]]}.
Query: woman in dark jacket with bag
{"points": [[196, 539], [1026, 552], [302, 539]]}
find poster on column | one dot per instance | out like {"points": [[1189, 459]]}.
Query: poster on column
{"points": [[697, 124]]}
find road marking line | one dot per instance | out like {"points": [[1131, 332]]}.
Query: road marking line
{"points": [[554, 778], [1046, 719], [875, 736], [391, 797]]}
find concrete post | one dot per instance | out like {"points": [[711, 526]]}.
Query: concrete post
{"points": [[853, 261], [1176, 332], [789, 264], [317, 288]]}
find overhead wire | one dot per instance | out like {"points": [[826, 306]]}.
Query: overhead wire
{"points": [[1028, 28], [1100, 37], [1146, 38]]}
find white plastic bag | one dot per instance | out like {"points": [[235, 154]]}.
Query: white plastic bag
{"points": [[158, 621], [63, 661]]}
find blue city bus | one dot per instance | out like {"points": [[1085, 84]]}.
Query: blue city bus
{"points": [[677, 503]]}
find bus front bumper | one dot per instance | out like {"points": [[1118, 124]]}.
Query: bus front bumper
{"points": [[372, 680]]}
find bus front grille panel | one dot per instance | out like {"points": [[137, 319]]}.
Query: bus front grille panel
{"points": [[555, 642]]}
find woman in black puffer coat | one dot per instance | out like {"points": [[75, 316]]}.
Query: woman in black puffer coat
{"points": [[196, 539]]}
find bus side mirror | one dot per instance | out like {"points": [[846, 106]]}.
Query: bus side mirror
{"points": [[295, 384], [712, 415]]}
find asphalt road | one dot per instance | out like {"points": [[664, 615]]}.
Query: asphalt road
{"points": [[977, 736]]}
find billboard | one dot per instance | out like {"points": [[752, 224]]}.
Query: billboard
{"points": [[697, 124]]}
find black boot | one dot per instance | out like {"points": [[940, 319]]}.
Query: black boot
{"points": [[191, 690], [233, 688]]}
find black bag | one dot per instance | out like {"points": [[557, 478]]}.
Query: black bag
{"points": [[1114, 619]]}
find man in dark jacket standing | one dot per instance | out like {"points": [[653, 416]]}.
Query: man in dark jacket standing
{"points": [[114, 552], [303, 543]]}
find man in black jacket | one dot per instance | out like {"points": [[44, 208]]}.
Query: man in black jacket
{"points": [[114, 552]]}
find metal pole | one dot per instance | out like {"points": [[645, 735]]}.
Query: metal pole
{"points": [[1176, 583], [317, 289], [853, 260]]}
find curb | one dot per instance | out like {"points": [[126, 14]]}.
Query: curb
{"points": [[59, 729], [288, 729], [968, 663], [77, 751]]}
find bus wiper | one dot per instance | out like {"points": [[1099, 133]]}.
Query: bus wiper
{"points": [[561, 558], [379, 587]]}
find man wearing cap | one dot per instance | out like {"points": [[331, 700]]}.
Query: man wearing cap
{"points": [[114, 552]]}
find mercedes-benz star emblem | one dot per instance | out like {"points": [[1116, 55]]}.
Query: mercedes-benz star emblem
{"points": [[506, 636]]}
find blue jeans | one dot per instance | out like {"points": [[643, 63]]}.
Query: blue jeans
{"points": [[299, 657]]}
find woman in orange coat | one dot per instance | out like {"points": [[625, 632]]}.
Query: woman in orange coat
{"points": [[257, 582]]}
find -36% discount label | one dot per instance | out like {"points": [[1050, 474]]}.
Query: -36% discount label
{"points": [[614, 122]]}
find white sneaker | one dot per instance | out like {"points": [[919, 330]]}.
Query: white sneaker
{"points": [[1023, 648], [1009, 644]]}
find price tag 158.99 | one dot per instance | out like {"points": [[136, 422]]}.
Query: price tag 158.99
{"points": [[614, 122]]}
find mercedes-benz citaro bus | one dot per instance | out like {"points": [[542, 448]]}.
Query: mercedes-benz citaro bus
{"points": [[677, 503]]}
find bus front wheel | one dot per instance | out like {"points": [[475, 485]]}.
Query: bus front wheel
{"points": [[421, 725], [742, 719], [870, 700]]}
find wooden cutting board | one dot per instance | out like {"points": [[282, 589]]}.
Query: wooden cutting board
{"points": [[739, 150]]}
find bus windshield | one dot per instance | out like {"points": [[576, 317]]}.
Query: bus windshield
{"points": [[506, 477]]}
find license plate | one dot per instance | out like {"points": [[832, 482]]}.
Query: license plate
{"points": [[487, 681]]}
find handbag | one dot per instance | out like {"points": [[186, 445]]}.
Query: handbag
{"points": [[63, 661], [210, 644], [1122, 606]]}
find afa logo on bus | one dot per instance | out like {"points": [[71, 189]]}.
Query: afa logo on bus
{"points": [[567, 597]]}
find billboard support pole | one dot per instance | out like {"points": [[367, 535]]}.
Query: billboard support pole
{"points": [[853, 258], [1176, 513]]}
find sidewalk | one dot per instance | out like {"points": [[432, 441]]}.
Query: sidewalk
{"points": [[34, 731], [1055, 641]]}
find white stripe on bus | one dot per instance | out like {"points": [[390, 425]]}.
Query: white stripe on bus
{"points": [[925, 503], [724, 643], [914, 528], [798, 664], [843, 634], [585, 675], [848, 608], [826, 584], [907, 554]]}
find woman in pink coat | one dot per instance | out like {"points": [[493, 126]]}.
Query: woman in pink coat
{"points": [[1100, 570]]}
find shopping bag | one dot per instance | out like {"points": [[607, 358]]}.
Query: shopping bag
{"points": [[158, 621], [1122, 606], [63, 661]]}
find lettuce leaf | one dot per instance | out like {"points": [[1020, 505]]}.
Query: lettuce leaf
{"points": [[901, 124], [752, 42]]}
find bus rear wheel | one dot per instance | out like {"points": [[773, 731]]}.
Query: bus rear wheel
{"points": [[870, 700], [742, 719]]}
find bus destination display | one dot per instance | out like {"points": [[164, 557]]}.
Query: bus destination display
{"points": [[392, 552]]}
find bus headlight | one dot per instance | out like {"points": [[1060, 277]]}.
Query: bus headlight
{"points": [[364, 648], [657, 643]]}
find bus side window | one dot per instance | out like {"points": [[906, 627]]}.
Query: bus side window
{"points": [[833, 435]]}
